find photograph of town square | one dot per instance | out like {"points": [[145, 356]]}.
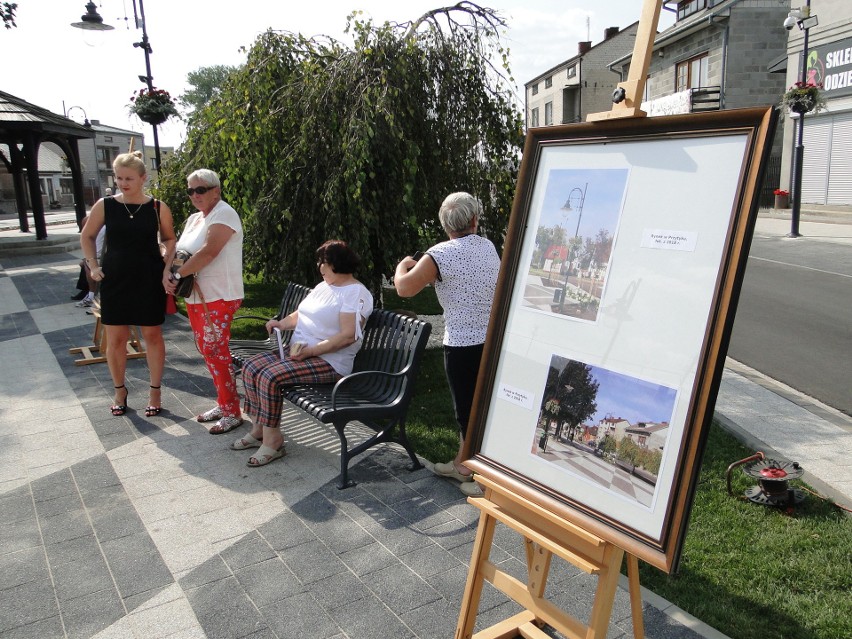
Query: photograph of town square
{"points": [[606, 427], [574, 240]]}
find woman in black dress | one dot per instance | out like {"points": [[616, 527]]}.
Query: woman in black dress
{"points": [[133, 274]]}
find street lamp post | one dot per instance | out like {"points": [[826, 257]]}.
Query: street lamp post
{"points": [[95, 189], [92, 21], [580, 200], [804, 20]]}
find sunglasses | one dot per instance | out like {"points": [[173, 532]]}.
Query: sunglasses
{"points": [[200, 190]]}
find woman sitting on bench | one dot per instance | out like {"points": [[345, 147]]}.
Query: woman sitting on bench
{"points": [[327, 330]]}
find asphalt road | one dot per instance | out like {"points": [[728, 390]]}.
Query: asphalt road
{"points": [[794, 320]]}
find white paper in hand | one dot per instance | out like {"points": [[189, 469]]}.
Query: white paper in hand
{"points": [[280, 342]]}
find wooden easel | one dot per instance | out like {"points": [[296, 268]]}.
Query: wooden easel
{"points": [[634, 86], [545, 535], [135, 347]]}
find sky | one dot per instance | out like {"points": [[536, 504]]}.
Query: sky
{"points": [[55, 66], [630, 398], [596, 197]]}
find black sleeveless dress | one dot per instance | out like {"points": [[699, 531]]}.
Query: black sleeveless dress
{"points": [[132, 289]]}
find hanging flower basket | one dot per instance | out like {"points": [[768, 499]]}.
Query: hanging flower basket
{"points": [[153, 106], [803, 97]]}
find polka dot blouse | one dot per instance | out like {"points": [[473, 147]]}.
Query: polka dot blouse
{"points": [[468, 268]]}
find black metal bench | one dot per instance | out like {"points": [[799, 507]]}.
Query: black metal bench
{"points": [[242, 349], [378, 391]]}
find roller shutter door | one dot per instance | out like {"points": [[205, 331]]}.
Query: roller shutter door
{"points": [[840, 169], [827, 167]]}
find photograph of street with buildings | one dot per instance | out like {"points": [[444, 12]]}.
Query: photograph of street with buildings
{"points": [[606, 427], [574, 239]]}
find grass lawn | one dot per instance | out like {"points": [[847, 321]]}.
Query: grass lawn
{"points": [[749, 571], [755, 572]]}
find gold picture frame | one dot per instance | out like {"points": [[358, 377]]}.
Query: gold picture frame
{"points": [[612, 318]]}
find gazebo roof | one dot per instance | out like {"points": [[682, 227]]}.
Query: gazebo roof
{"points": [[17, 115]]}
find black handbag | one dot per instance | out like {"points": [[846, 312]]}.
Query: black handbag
{"points": [[186, 284]]}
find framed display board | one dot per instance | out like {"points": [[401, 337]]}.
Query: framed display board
{"points": [[620, 275]]}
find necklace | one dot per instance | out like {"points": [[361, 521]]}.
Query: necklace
{"points": [[132, 213]]}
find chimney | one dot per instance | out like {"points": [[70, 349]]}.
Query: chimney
{"points": [[583, 47], [611, 31], [95, 121]]}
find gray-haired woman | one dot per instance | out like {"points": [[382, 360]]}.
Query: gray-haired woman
{"points": [[463, 271], [214, 237]]}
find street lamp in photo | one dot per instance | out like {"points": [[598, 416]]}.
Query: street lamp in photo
{"points": [[804, 20], [576, 200], [92, 21]]}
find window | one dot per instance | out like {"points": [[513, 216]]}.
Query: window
{"points": [[548, 113], [106, 155], [688, 7], [572, 71], [535, 89], [692, 73], [548, 82], [534, 117]]}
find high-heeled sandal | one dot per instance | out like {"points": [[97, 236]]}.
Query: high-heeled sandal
{"points": [[152, 411], [118, 410]]}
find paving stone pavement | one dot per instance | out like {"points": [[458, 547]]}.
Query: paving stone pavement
{"points": [[133, 527]]}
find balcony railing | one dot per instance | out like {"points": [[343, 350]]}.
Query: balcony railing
{"points": [[706, 99]]}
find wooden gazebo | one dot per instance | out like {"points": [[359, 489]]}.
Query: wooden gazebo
{"points": [[23, 128]]}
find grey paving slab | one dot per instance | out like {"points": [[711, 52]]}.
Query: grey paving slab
{"points": [[338, 590], [268, 581], [22, 567], [224, 610], [86, 616], [366, 559], [400, 588], [300, 616], [312, 561], [369, 618], [27, 604]]}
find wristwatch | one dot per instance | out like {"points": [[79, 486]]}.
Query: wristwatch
{"points": [[176, 275]]}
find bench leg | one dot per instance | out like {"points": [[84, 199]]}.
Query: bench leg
{"points": [[402, 438], [345, 456], [381, 437]]}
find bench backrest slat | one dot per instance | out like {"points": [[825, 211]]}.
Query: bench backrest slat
{"points": [[392, 343], [293, 296]]}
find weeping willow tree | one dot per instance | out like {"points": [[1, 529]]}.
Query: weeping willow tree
{"points": [[316, 140]]}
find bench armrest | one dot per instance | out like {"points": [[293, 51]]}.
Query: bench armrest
{"points": [[353, 377], [247, 328], [257, 317]]}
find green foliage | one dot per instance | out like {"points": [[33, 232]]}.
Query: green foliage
{"points": [[630, 452], [206, 82], [316, 140], [424, 303], [7, 14], [571, 384]]}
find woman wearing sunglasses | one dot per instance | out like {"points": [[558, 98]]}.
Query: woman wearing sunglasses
{"points": [[214, 237]]}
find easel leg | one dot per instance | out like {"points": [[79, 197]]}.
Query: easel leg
{"points": [[545, 536], [605, 593], [635, 597], [475, 579]]}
